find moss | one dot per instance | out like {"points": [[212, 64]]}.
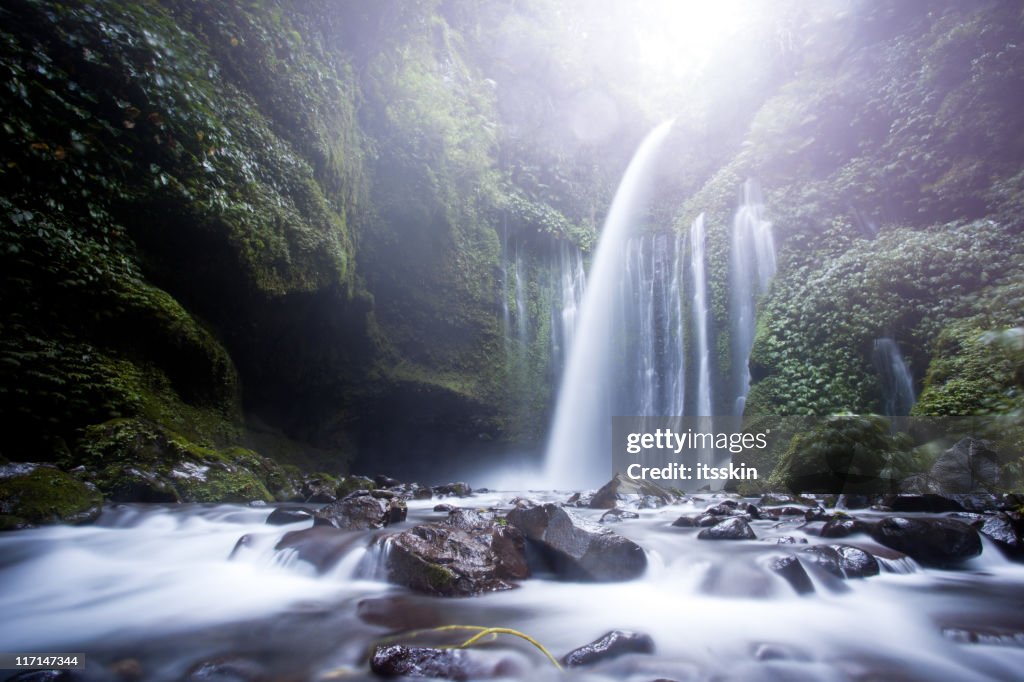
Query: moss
{"points": [[440, 579], [46, 495]]}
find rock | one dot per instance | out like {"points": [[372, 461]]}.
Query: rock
{"points": [[734, 528], [453, 490], [816, 514], [401, 612], [443, 508], [611, 645], [353, 483], [321, 546], [708, 520], [446, 560], [792, 571], [32, 494], [776, 512], [404, 661], [576, 548], [777, 499], [684, 522], [617, 515], [382, 481], [753, 512], [361, 512], [842, 526], [468, 519], [226, 669], [998, 527], [922, 503], [319, 489], [258, 503], [628, 491], [721, 510], [786, 540], [969, 466], [581, 500], [843, 561], [283, 516], [934, 542]]}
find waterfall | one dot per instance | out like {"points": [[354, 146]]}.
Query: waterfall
{"points": [[522, 317], [567, 293], [652, 356], [897, 384], [578, 451], [752, 265], [700, 317]]}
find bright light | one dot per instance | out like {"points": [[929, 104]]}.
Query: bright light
{"points": [[680, 36]]}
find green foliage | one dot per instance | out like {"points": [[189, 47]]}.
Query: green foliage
{"points": [[45, 495], [844, 454]]}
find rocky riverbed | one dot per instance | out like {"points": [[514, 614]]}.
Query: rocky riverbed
{"points": [[623, 583]]}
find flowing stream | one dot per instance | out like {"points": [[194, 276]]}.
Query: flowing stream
{"points": [[166, 589]]}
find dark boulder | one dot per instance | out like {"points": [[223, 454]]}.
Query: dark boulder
{"points": [[684, 522], [576, 548], [447, 560], [734, 528], [282, 516], [970, 465], [616, 515], [319, 489], [843, 561], [404, 661], [999, 527], [361, 512], [321, 546], [627, 491], [611, 645], [922, 503], [382, 481], [792, 571], [934, 542], [842, 526], [469, 519], [580, 499]]}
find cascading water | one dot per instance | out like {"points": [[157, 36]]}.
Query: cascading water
{"points": [[567, 289], [897, 383], [578, 449], [700, 316], [752, 265], [653, 359]]}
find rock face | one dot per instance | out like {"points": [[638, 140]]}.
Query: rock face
{"points": [[448, 664], [468, 554], [968, 466], [934, 542], [361, 512], [733, 528], [578, 549], [641, 494], [613, 644]]}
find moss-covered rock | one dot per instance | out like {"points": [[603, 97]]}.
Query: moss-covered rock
{"points": [[32, 494]]}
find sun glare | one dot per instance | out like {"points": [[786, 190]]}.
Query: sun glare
{"points": [[681, 36]]}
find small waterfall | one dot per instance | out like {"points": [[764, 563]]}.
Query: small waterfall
{"points": [[567, 294], [752, 265], [700, 316], [578, 449], [653, 360], [897, 383], [522, 316]]}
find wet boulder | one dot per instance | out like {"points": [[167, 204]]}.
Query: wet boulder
{"points": [[625, 491], [397, 660], [321, 546], [611, 645], [576, 548], [581, 500], [733, 528], [361, 512], [283, 516], [382, 481], [933, 542], [789, 568], [999, 527], [449, 560], [319, 488], [617, 515], [684, 522], [842, 526], [843, 561]]}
